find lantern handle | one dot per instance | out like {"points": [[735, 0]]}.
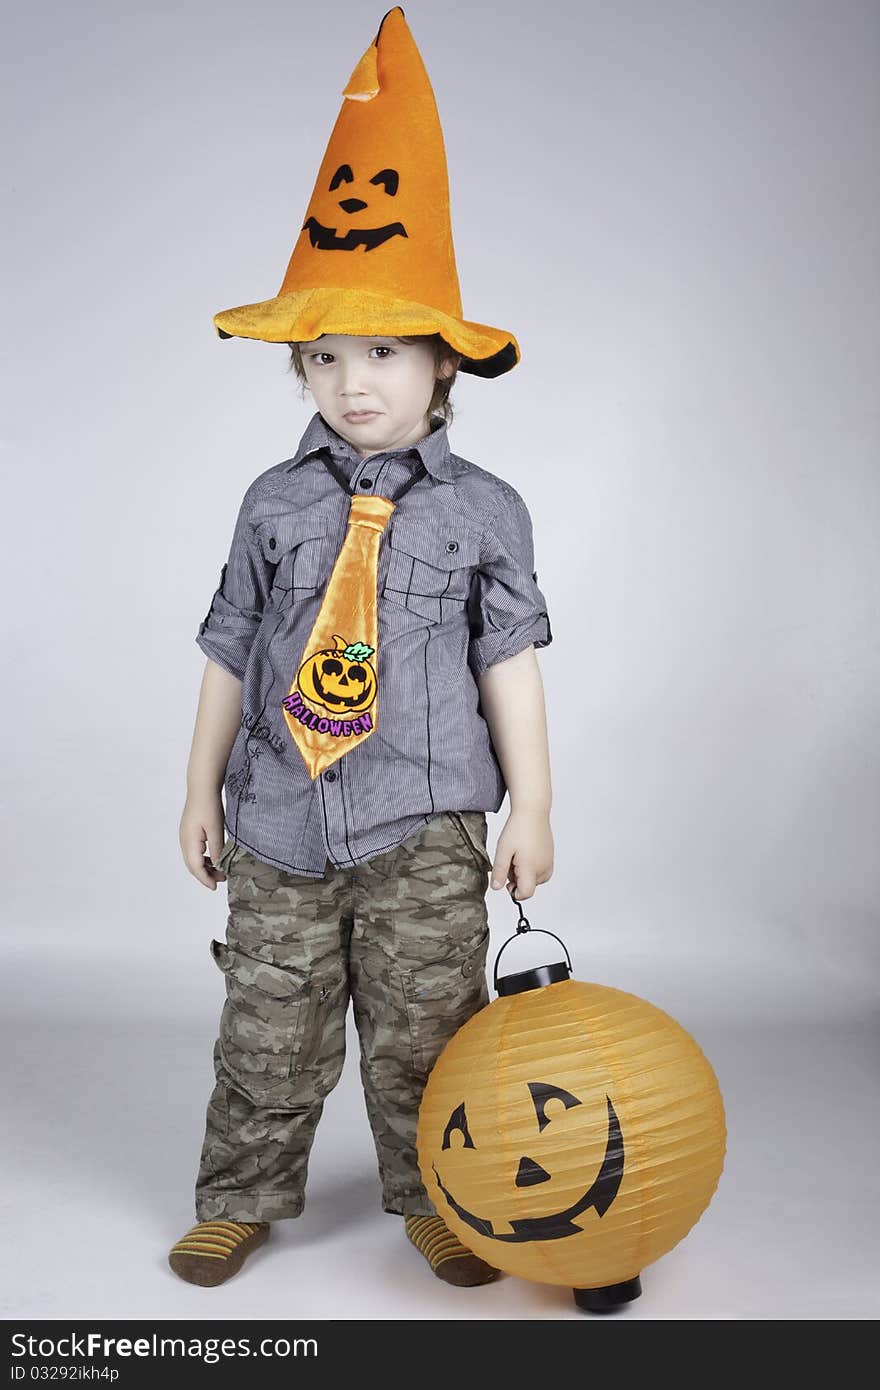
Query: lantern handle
{"points": [[523, 925]]}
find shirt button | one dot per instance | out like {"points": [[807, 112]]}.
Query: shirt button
{"points": [[452, 546], [366, 482], [330, 776], [272, 542]]}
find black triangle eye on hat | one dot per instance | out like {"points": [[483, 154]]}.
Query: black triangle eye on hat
{"points": [[375, 253]]}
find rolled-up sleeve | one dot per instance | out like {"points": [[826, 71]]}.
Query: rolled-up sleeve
{"points": [[507, 611], [229, 627]]}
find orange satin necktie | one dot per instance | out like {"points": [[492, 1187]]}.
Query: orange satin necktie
{"points": [[333, 702]]}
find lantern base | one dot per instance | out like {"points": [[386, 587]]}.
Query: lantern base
{"points": [[607, 1299]]}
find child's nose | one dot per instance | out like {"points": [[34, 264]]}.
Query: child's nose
{"points": [[354, 381]]}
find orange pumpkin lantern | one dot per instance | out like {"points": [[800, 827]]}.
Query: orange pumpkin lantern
{"points": [[571, 1133]]}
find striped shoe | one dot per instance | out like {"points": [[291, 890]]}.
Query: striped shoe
{"points": [[449, 1259], [211, 1252]]}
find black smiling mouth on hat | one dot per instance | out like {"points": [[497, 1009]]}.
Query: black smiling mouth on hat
{"points": [[327, 239], [600, 1194]]}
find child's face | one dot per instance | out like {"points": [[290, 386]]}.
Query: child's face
{"points": [[393, 381]]}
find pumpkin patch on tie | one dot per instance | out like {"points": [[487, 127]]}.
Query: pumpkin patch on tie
{"points": [[340, 678]]}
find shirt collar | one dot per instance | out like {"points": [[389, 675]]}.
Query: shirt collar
{"points": [[433, 450]]}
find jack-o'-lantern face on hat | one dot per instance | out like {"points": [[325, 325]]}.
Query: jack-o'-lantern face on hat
{"points": [[345, 236]]}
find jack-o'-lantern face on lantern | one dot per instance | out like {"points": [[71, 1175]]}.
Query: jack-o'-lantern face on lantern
{"points": [[378, 187], [340, 678], [548, 1105], [571, 1134]]}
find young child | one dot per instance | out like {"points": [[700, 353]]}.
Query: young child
{"points": [[371, 691]]}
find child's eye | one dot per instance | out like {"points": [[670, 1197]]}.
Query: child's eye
{"points": [[380, 347]]}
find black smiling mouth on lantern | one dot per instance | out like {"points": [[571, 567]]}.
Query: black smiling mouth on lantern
{"points": [[600, 1194], [327, 239], [332, 667]]}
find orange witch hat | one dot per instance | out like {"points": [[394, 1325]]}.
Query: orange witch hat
{"points": [[374, 254]]}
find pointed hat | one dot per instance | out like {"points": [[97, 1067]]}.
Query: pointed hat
{"points": [[375, 252]]}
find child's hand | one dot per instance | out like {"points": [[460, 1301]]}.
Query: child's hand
{"points": [[524, 853], [202, 824]]}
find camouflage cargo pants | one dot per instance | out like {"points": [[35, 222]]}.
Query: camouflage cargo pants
{"points": [[404, 936]]}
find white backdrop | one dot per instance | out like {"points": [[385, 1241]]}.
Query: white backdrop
{"points": [[675, 209]]}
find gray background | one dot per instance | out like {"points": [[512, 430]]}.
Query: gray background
{"points": [[675, 208]]}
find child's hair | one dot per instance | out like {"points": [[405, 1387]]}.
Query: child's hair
{"points": [[440, 402]]}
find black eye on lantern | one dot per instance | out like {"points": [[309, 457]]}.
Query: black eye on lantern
{"points": [[331, 667], [457, 1120], [542, 1092], [390, 178], [343, 175], [357, 673]]}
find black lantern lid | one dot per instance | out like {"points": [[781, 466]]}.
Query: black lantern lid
{"points": [[538, 975]]}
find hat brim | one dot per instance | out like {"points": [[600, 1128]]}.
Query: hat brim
{"points": [[304, 315]]}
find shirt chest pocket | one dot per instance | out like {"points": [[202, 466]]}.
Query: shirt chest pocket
{"points": [[430, 567], [297, 546]]}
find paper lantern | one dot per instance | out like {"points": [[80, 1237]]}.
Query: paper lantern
{"points": [[571, 1133]]}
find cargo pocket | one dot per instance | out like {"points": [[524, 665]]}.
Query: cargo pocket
{"points": [[269, 1024], [472, 827], [441, 998]]}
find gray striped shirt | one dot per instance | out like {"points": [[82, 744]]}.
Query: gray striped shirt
{"points": [[457, 593]]}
